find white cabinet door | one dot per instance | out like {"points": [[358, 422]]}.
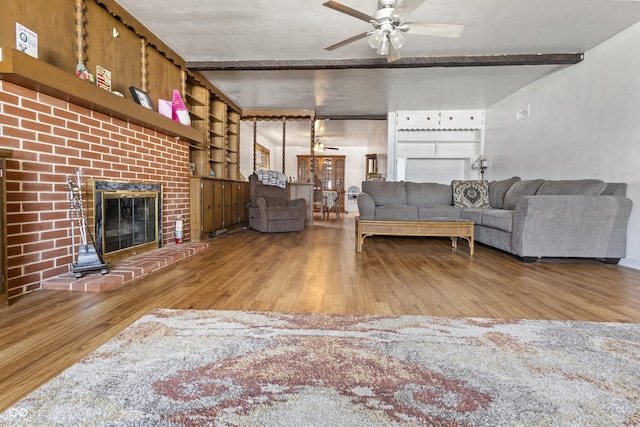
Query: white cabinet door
{"points": [[429, 120], [465, 119], [407, 119]]}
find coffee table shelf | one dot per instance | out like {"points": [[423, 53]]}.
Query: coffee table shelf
{"points": [[437, 227]]}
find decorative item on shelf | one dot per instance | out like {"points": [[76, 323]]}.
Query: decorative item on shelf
{"points": [[180, 113], [212, 173], [481, 164], [103, 78], [26, 40], [141, 97], [83, 73], [165, 108]]}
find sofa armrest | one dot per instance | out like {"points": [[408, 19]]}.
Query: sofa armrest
{"points": [[366, 206], [298, 203], [571, 226]]}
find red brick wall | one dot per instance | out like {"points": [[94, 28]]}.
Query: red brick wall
{"points": [[50, 139]]}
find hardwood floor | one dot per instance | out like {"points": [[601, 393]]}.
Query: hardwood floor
{"points": [[317, 270]]}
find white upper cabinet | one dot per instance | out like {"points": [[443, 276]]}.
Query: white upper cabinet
{"points": [[445, 119]]}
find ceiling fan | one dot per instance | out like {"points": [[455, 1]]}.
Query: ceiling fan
{"points": [[319, 147], [388, 26]]}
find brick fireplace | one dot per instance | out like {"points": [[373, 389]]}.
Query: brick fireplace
{"points": [[51, 138]]}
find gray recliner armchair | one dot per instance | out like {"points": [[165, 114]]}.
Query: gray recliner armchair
{"points": [[271, 211]]}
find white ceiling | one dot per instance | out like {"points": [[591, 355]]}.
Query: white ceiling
{"points": [[259, 31]]}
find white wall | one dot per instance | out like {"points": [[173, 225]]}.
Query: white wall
{"points": [[355, 160], [584, 123], [246, 148]]}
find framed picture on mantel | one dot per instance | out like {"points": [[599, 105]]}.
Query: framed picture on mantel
{"points": [[141, 97]]}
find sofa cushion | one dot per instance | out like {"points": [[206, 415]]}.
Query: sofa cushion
{"points": [[500, 219], [386, 192], [470, 193], [428, 194], [473, 214], [397, 213], [520, 189], [426, 212], [615, 189], [572, 187], [498, 189]]}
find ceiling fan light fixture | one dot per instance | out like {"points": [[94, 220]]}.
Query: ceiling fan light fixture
{"points": [[384, 46], [397, 39], [375, 39]]}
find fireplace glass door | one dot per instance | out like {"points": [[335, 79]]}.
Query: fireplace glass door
{"points": [[130, 220]]}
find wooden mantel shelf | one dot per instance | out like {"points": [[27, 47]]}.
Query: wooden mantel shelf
{"points": [[21, 69]]}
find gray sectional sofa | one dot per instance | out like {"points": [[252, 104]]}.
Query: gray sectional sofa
{"points": [[531, 219]]}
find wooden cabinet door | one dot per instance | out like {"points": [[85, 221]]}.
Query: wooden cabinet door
{"points": [[227, 200], [218, 205], [234, 203], [243, 200], [207, 207]]}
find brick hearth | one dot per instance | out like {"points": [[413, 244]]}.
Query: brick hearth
{"points": [[124, 271]]}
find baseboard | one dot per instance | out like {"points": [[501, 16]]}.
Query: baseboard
{"points": [[631, 263]]}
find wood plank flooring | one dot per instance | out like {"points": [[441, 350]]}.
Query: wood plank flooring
{"points": [[317, 270]]}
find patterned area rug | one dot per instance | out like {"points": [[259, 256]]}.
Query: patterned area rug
{"points": [[226, 368]]}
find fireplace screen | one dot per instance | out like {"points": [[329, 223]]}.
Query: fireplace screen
{"points": [[129, 220], [127, 217]]}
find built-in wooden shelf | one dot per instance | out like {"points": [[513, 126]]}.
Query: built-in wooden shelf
{"points": [[21, 69]]}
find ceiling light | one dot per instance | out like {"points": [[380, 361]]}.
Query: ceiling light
{"points": [[384, 46], [375, 39], [397, 39]]}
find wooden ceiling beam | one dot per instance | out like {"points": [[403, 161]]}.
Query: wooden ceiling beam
{"points": [[422, 62], [266, 115]]}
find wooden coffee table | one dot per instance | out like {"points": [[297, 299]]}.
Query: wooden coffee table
{"points": [[433, 227]]}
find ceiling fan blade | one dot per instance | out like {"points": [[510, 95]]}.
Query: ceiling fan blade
{"points": [[349, 11], [331, 148], [394, 54], [346, 41], [405, 7], [438, 30]]}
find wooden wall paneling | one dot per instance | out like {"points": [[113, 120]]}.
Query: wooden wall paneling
{"points": [[55, 28], [11, 13], [131, 22], [164, 76], [120, 55]]}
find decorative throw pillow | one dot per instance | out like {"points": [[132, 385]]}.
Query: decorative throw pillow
{"points": [[470, 194]]}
